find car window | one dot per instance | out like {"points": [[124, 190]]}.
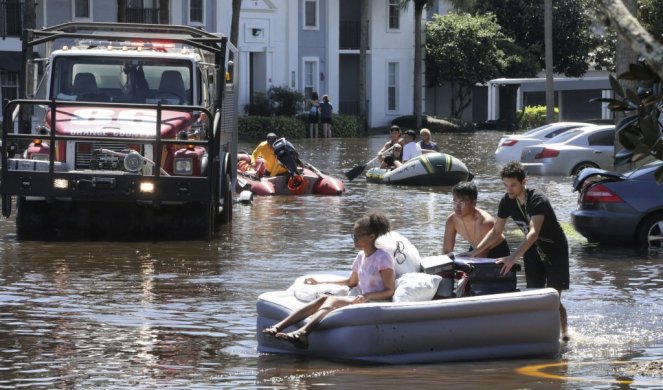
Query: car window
{"points": [[602, 138], [536, 130], [564, 136], [559, 131]]}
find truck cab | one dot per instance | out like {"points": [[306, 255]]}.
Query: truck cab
{"points": [[132, 122]]}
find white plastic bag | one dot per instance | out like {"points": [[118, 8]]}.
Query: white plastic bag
{"points": [[406, 256]]}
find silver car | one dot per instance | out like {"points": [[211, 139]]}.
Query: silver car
{"points": [[511, 146], [571, 152]]}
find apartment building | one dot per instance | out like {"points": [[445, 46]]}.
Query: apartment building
{"points": [[305, 45]]}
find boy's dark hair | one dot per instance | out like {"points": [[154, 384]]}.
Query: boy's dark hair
{"points": [[411, 133], [465, 189], [513, 170]]}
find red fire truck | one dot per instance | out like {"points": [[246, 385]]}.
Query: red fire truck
{"points": [[133, 133]]}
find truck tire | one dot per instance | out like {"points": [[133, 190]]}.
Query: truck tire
{"points": [[30, 219], [226, 215]]}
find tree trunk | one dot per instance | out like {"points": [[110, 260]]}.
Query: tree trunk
{"points": [[363, 47], [628, 38], [548, 38], [234, 24], [418, 54]]}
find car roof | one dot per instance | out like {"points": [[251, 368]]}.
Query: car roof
{"points": [[551, 126], [577, 132]]}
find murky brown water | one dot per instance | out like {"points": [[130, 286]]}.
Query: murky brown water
{"points": [[182, 314]]}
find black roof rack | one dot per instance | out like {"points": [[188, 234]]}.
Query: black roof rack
{"points": [[129, 31]]}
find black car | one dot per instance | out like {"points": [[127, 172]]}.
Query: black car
{"points": [[619, 208]]}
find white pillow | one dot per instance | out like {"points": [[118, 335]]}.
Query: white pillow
{"points": [[309, 292], [406, 256], [415, 287]]}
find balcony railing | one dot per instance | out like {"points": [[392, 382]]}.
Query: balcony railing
{"points": [[11, 18], [143, 15]]}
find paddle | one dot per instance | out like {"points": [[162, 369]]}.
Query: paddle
{"points": [[356, 171]]}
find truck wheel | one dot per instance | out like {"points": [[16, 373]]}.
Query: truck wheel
{"points": [[30, 219], [650, 235], [211, 224], [227, 212]]}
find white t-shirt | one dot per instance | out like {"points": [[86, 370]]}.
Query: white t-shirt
{"points": [[411, 150]]}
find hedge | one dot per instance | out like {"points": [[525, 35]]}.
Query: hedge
{"points": [[535, 116], [256, 127]]}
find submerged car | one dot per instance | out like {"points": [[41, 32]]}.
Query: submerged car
{"points": [[620, 208], [511, 145], [572, 151]]}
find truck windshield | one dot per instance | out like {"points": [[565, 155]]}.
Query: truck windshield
{"points": [[107, 79]]}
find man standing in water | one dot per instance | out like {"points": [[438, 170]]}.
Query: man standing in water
{"points": [[545, 250], [471, 223]]}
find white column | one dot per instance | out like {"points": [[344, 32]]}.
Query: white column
{"points": [[332, 72]]}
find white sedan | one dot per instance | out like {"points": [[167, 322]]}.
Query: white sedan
{"points": [[571, 152], [511, 145]]}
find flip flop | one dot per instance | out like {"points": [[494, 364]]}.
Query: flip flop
{"points": [[297, 338], [271, 331]]}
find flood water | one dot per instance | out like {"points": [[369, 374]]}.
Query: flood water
{"points": [[182, 314]]}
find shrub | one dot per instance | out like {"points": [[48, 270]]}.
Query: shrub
{"points": [[256, 127], [285, 101], [535, 116], [345, 125], [435, 124], [259, 105]]}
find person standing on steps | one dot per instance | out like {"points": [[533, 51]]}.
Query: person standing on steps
{"points": [[326, 117], [545, 250]]}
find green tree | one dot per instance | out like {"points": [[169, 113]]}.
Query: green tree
{"points": [[464, 50], [639, 133], [419, 6], [522, 20]]}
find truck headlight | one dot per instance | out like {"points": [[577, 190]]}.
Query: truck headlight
{"points": [[183, 166]]}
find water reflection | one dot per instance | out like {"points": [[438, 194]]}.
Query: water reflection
{"points": [[182, 314]]}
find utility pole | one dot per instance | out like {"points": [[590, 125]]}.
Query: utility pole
{"points": [[363, 47], [548, 38], [25, 77]]}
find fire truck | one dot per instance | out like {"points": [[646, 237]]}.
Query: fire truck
{"points": [[131, 133]]}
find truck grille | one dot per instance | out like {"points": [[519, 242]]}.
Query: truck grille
{"points": [[85, 155]]}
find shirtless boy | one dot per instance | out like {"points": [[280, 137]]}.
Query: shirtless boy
{"points": [[471, 223]]}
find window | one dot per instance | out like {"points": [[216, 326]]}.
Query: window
{"points": [[602, 138], [392, 86], [310, 79], [196, 11], [394, 13], [82, 9], [142, 11], [8, 85], [310, 14]]}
